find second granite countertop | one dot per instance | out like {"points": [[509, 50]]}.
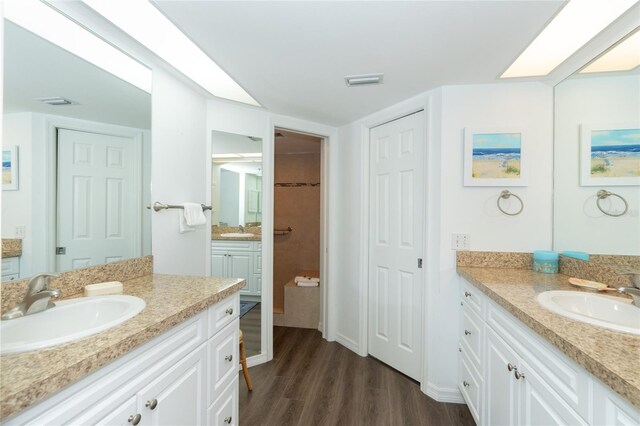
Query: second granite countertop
{"points": [[610, 356], [29, 377]]}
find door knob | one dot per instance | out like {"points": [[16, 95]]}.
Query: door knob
{"points": [[511, 367], [465, 383], [467, 294], [134, 420], [229, 358], [467, 332], [227, 420], [518, 374], [151, 404], [229, 311]]}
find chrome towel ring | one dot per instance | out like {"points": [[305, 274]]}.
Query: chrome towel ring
{"points": [[504, 195], [602, 194]]}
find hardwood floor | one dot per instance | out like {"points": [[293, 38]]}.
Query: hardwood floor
{"points": [[250, 326], [311, 381]]}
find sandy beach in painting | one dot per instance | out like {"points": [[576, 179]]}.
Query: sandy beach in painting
{"points": [[488, 168], [6, 177], [622, 166]]}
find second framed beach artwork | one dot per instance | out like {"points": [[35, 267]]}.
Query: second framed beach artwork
{"points": [[494, 157], [10, 169], [610, 155]]}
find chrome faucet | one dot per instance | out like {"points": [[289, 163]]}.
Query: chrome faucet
{"points": [[241, 229], [634, 290], [37, 298]]}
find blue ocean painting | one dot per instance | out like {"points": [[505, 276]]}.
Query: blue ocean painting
{"points": [[6, 160], [615, 153], [496, 155]]}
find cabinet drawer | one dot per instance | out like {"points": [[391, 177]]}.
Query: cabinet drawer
{"points": [[10, 266], [232, 245], [222, 352], [10, 277], [471, 386], [471, 336], [553, 367], [222, 313], [224, 411], [472, 297]]}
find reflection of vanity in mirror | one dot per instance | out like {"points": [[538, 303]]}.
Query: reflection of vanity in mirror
{"points": [[236, 231], [597, 148], [83, 160]]}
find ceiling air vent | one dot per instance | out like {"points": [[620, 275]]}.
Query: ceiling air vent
{"points": [[57, 101], [363, 80]]}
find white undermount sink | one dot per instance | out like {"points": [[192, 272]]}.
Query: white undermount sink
{"points": [[68, 321], [613, 313], [237, 235]]}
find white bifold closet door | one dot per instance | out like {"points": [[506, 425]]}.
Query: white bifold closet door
{"points": [[97, 192], [396, 234]]}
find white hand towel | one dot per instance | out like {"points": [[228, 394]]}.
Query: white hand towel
{"points": [[191, 217], [307, 284]]}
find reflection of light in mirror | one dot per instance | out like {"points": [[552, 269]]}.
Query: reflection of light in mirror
{"points": [[623, 57], [142, 21], [577, 23], [40, 19]]}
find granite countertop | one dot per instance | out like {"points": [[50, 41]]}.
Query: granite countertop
{"points": [[11, 247], [610, 356], [216, 237], [30, 377]]}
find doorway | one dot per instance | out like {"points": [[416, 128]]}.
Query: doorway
{"points": [[396, 224], [297, 278]]}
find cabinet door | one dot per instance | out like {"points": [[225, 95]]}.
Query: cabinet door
{"points": [[177, 397], [240, 266], [124, 415], [218, 263], [501, 394], [224, 411]]}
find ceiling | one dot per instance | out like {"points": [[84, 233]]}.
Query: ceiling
{"points": [[292, 56], [35, 68]]}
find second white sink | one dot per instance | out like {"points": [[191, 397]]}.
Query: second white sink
{"points": [[68, 321], [237, 235], [608, 312]]}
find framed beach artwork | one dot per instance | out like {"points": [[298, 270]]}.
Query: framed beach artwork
{"points": [[494, 157], [10, 169], [610, 155]]}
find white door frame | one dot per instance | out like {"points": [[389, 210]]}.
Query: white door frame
{"points": [[431, 263], [47, 158]]}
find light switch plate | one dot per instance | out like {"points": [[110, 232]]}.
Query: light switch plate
{"points": [[21, 231], [460, 241]]}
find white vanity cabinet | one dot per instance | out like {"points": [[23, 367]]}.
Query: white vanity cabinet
{"points": [[187, 376], [238, 259], [10, 268], [510, 375]]}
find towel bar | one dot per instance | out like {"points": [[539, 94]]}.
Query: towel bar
{"points": [[157, 206], [282, 231]]}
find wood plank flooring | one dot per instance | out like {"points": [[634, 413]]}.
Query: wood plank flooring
{"points": [[314, 382]]}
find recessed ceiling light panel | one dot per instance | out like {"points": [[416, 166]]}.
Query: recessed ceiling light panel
{"points": [[364, 79], [625, 56]]}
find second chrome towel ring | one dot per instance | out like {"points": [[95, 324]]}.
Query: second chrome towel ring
{"points": [[504, 195], [602, 194]]}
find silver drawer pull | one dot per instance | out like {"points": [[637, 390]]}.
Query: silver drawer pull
{"points": [[134, 420], [511, 367], [467, 332], [465, 384], [227, 420], [229, 358], [151, 404], [467, 294], [518, 374], [229, 311]]}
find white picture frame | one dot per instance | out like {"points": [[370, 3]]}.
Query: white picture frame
{"points": [[10, 169], [606, 159], [500, 157]]}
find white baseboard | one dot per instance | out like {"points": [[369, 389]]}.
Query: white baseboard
{"points": [[444, 394], [257, 360], [347, 342]]}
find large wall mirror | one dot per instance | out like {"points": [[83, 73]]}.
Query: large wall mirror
{"points": [[236, 232], [78, 141], [597, 154]]}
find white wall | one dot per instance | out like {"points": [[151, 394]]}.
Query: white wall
{"points": [[450, 207], [179, 158], [578, 224]]}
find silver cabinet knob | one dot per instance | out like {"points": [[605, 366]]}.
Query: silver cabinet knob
{"points": [[467, 294], [151, 404], [229, 311], [135, 419], [459, 349], [227, 420], [229, 358], [461, 304], [467, 332], [518, 374], [465, 383], [511, 367]]}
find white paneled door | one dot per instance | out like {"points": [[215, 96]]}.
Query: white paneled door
{"points": [[98, 220], [396, 242]]}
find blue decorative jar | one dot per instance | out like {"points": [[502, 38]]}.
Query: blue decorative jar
{"points": [[545, 261]]}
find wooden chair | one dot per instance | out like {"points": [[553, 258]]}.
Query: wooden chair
{"points": [[243, 361]]}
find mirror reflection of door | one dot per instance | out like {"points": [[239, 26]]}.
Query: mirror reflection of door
{"points": [[236, 234]]}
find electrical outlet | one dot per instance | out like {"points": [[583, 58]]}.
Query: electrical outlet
{"points": [[460, 241], [21, 230]]}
